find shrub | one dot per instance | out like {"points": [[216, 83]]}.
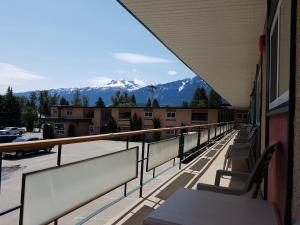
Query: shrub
{"points": [[111, 125], [71, 130], [48, 132]]}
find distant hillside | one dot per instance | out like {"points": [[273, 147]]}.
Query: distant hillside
{"points": [[171, 94]]}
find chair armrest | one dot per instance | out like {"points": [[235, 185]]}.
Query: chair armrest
{"points": [[218, 189], [221, 173]]}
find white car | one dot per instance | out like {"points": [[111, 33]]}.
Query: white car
{"points": [[13, 131]]}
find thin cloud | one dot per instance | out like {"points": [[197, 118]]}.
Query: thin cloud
{"points": [[139, 58], [172, 72], [13, 75]]}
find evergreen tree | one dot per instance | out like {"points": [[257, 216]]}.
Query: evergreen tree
{"points": [[199, 99], [100, 103], [63, 101], [215, 100], [29, 116], [123, 100], [44, 106], [156, 124], [54, 99], [136, 124], [85, 101], [185, 104], [133, 100], [12, 109], [148, 104], [76, 100], [33, 100], [111, 125], [155, 104]]}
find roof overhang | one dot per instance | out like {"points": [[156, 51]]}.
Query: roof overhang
{"points": [[216, 39]]}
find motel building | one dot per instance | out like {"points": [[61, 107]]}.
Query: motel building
{"points": [[249, 52], [94, 120]]}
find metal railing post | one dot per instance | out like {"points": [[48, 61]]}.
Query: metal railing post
{"points": [[142, 166], [199, 137], [127, 142], [125, 189], [59, 155], [58, 164], [216, 127], [181, 146], [0, 170]]}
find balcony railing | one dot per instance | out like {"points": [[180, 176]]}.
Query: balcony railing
{"points": [[46, 194]]}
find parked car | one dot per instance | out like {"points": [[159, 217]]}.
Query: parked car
{"points": [[7, 138], [13, 131], [20, 154]]}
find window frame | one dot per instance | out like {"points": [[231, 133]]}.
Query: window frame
{"points": [[69, 112], [147, 115], [197, 120], [171, 117], [59, 131], [284, 97]]}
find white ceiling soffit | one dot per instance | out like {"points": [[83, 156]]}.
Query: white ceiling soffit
{"points": [[217, 39]]}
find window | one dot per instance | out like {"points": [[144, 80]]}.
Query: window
{"points": [[199, 116], [171, 115], [69, 113], [59, 128], [124, 115], [148, 115], [89, 114], [279, 67], [171, 132]]}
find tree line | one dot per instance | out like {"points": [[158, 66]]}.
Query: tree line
{"points": [[201, 99]]}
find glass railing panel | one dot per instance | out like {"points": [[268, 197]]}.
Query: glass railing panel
{"points": [[190, 141], [51, 193], [160, 152], [204, 136]]}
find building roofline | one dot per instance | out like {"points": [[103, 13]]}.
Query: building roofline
{"points": [[139, 107]]}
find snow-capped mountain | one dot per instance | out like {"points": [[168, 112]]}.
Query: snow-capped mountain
{"points": [[171, 94], [123, 84]]}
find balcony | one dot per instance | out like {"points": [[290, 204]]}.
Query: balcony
{"points": [[124, 194]]}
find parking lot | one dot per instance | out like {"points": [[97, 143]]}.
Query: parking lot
{"points": [[13, 168]]}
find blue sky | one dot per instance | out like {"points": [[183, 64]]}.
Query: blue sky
{"points": [[78, 43]]}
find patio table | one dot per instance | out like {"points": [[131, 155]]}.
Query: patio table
{"points": [[192, 207]]}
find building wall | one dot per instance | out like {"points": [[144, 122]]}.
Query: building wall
{"points": [[296, 169], [76, 112], [277, 168], [183, 117]]}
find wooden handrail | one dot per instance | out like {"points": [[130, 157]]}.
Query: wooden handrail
{"points": [[13, 147]]}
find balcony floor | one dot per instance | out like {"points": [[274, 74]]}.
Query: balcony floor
{"points": [[200, 170]]}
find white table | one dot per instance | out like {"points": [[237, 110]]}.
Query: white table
{"points": [[192, 207]]}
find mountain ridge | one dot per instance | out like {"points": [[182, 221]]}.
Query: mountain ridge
{"points": [[168, 94]]}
